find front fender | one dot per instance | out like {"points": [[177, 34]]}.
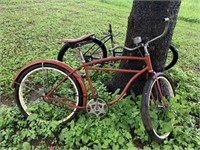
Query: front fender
{"points": [[58, 63]]}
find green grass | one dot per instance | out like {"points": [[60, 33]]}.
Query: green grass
{"points": [[189, 11], [31, 30]]}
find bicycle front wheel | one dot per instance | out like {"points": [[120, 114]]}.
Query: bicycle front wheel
{"points": [[156, 109], [172, 57], [92, 50], [36, 81]]}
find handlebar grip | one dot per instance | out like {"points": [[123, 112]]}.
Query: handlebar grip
{"points": [[166, 19]]}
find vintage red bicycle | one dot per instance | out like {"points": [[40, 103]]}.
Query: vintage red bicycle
{"points": [[52, 90]]}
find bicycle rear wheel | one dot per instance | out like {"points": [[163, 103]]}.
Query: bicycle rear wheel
{"points": [[157, 109], [36, 81], [92, 50]]}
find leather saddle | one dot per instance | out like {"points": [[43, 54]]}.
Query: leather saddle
{"points": [[79, 39]]}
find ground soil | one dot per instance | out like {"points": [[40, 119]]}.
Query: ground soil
{"points": [[7, 102]]}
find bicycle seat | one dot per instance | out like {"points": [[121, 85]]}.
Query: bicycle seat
{"points": [[78, 39]]}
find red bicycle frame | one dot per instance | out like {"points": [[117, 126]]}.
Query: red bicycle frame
{"points": [[90, 66]]}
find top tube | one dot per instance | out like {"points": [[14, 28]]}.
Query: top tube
{"points": [[89, 66]]}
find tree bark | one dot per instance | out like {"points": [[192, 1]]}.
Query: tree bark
{"points": [[145, 20]]}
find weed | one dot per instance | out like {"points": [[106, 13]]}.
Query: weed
{"points": [[33, 30]]}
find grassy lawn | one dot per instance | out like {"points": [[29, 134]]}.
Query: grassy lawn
{"points": [[31, 30]]}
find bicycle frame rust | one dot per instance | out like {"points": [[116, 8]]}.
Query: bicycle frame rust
{"points": [[87, 66]]}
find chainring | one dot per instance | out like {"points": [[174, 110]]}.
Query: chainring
{"points": [[97, 108]]}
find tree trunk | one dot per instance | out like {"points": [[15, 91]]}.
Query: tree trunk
{"points": [[145, 20]]}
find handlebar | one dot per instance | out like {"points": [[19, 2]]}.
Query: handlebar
{"points": [[166, 20], [110, 29], [126, 48]]}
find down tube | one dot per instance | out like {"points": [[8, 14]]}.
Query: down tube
{"points": [[127, 85]]}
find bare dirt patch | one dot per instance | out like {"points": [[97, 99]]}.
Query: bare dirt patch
{"points": [[7, 102], [197, 67]]}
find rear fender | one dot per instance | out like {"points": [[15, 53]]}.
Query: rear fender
{"points": [[58, 63]]}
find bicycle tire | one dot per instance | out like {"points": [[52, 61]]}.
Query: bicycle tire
{"points": [[156, 117], [101, 49], [174, 60], [36, 81]]}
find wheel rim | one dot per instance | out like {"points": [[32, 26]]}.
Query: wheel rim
{"points": [[161, 116], [37, 83], [91, 51], [169, 58]]}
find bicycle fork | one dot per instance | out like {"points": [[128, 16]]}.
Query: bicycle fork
{"points": [[161, 95]]}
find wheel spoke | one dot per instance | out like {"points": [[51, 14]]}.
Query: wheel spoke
{"points": [[92, 50], [32, 86], [29, 88], [43, 77], [159, 94]]}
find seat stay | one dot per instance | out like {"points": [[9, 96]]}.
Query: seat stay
{"points": [[79, 39]]}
